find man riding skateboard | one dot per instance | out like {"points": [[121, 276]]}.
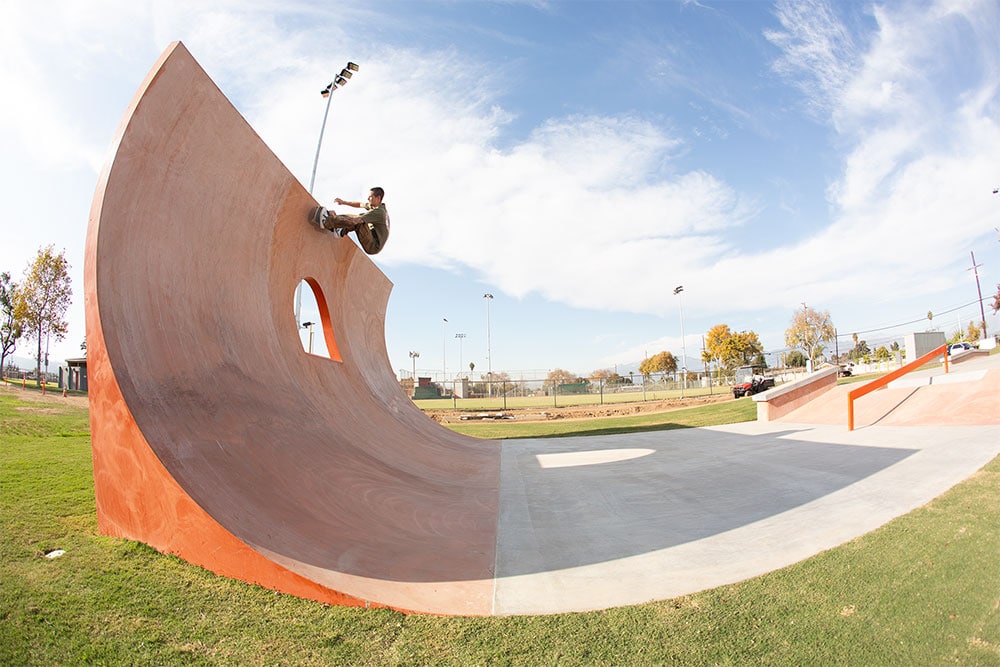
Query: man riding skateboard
{"points": [[371, 227]]}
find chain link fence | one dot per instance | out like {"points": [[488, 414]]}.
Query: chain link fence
{"points": [[467, 394]]}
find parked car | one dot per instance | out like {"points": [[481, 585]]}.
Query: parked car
{"points": [[959, 347]]}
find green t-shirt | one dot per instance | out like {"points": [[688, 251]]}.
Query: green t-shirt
{"points": [[378, 219]]}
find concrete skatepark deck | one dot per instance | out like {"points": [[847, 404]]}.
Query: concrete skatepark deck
{"points": [[218, 439]]}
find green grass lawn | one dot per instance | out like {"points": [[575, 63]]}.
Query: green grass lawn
{"points": [[922, 590], [728, 412]]}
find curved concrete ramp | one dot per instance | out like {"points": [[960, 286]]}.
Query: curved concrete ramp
{"points": [[215, 436]]}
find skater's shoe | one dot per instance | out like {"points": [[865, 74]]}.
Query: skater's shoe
{"points": [[340, 231], [318, 216]]}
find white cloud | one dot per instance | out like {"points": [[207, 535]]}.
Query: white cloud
{"points": [[917, 158], [591, 210]]}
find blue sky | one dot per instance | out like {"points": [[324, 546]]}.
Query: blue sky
{"points": [[577, 160]]}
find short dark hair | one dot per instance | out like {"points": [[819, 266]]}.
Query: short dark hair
{"points": [[378, 192]]}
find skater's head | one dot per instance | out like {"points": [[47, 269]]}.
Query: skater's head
{"points": [[375, 196]]}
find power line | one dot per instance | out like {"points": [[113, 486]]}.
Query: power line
{"points": [[921, 319]]}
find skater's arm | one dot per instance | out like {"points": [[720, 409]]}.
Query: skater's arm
{"points": [[352, 204]]}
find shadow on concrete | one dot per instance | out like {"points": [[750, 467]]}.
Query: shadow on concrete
{"points": [[696, 483]]}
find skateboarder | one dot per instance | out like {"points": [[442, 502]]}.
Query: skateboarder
{"points": [[371, 227]]}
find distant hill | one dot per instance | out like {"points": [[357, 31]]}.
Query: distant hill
{"points": [[28, 363]]}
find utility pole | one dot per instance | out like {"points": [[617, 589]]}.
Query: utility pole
{"points": [[982, 311]]}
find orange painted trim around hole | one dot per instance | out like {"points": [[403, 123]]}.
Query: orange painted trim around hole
{"points": [[324, 317]]}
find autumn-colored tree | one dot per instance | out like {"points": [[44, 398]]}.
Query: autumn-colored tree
{"points": [[606, 376], [970, 335], [10, 326], [809, 329], [974, 332], [716, 345], [746, 347], [664, 363], [730, 349], [41, 300], [560, 376]]}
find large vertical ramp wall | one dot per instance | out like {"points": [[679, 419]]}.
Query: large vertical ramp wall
{"points": [[215, 436]]}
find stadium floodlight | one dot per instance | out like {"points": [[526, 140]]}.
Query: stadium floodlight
{"points": [[327, 93], [413, 358], [489, 356], [339, 80], [684, 375]]}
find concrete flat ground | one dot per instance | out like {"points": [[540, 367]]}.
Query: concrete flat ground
{"points": [[596, 522]]}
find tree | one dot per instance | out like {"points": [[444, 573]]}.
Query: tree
{"points": [[974, 332], [10, 326], [747, 349], [809, 329], [882, 353], [996, 300], [716, 345], [664, 363], [607, 376], [795, 359], [41, 301], [731, 349], [560, 376]]}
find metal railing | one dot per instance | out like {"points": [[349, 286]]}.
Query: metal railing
{"points": [[869, 387]]}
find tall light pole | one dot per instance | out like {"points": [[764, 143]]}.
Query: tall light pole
{"points": [[489, 357], [309, 325], [460, 337], [327, 92], [413, 359], [684, 375], [339, 80], [444, 349]]}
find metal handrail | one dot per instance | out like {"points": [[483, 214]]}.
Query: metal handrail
{"points": [[889, 377]]}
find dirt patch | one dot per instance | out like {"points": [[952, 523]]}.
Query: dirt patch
{"points": [[52, 396], [582, 411]]}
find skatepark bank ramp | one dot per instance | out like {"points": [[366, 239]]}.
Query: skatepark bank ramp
{"points": [[215, 436]]}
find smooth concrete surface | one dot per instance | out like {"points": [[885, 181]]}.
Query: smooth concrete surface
{"points": [[707, 506], [218, 439]]}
